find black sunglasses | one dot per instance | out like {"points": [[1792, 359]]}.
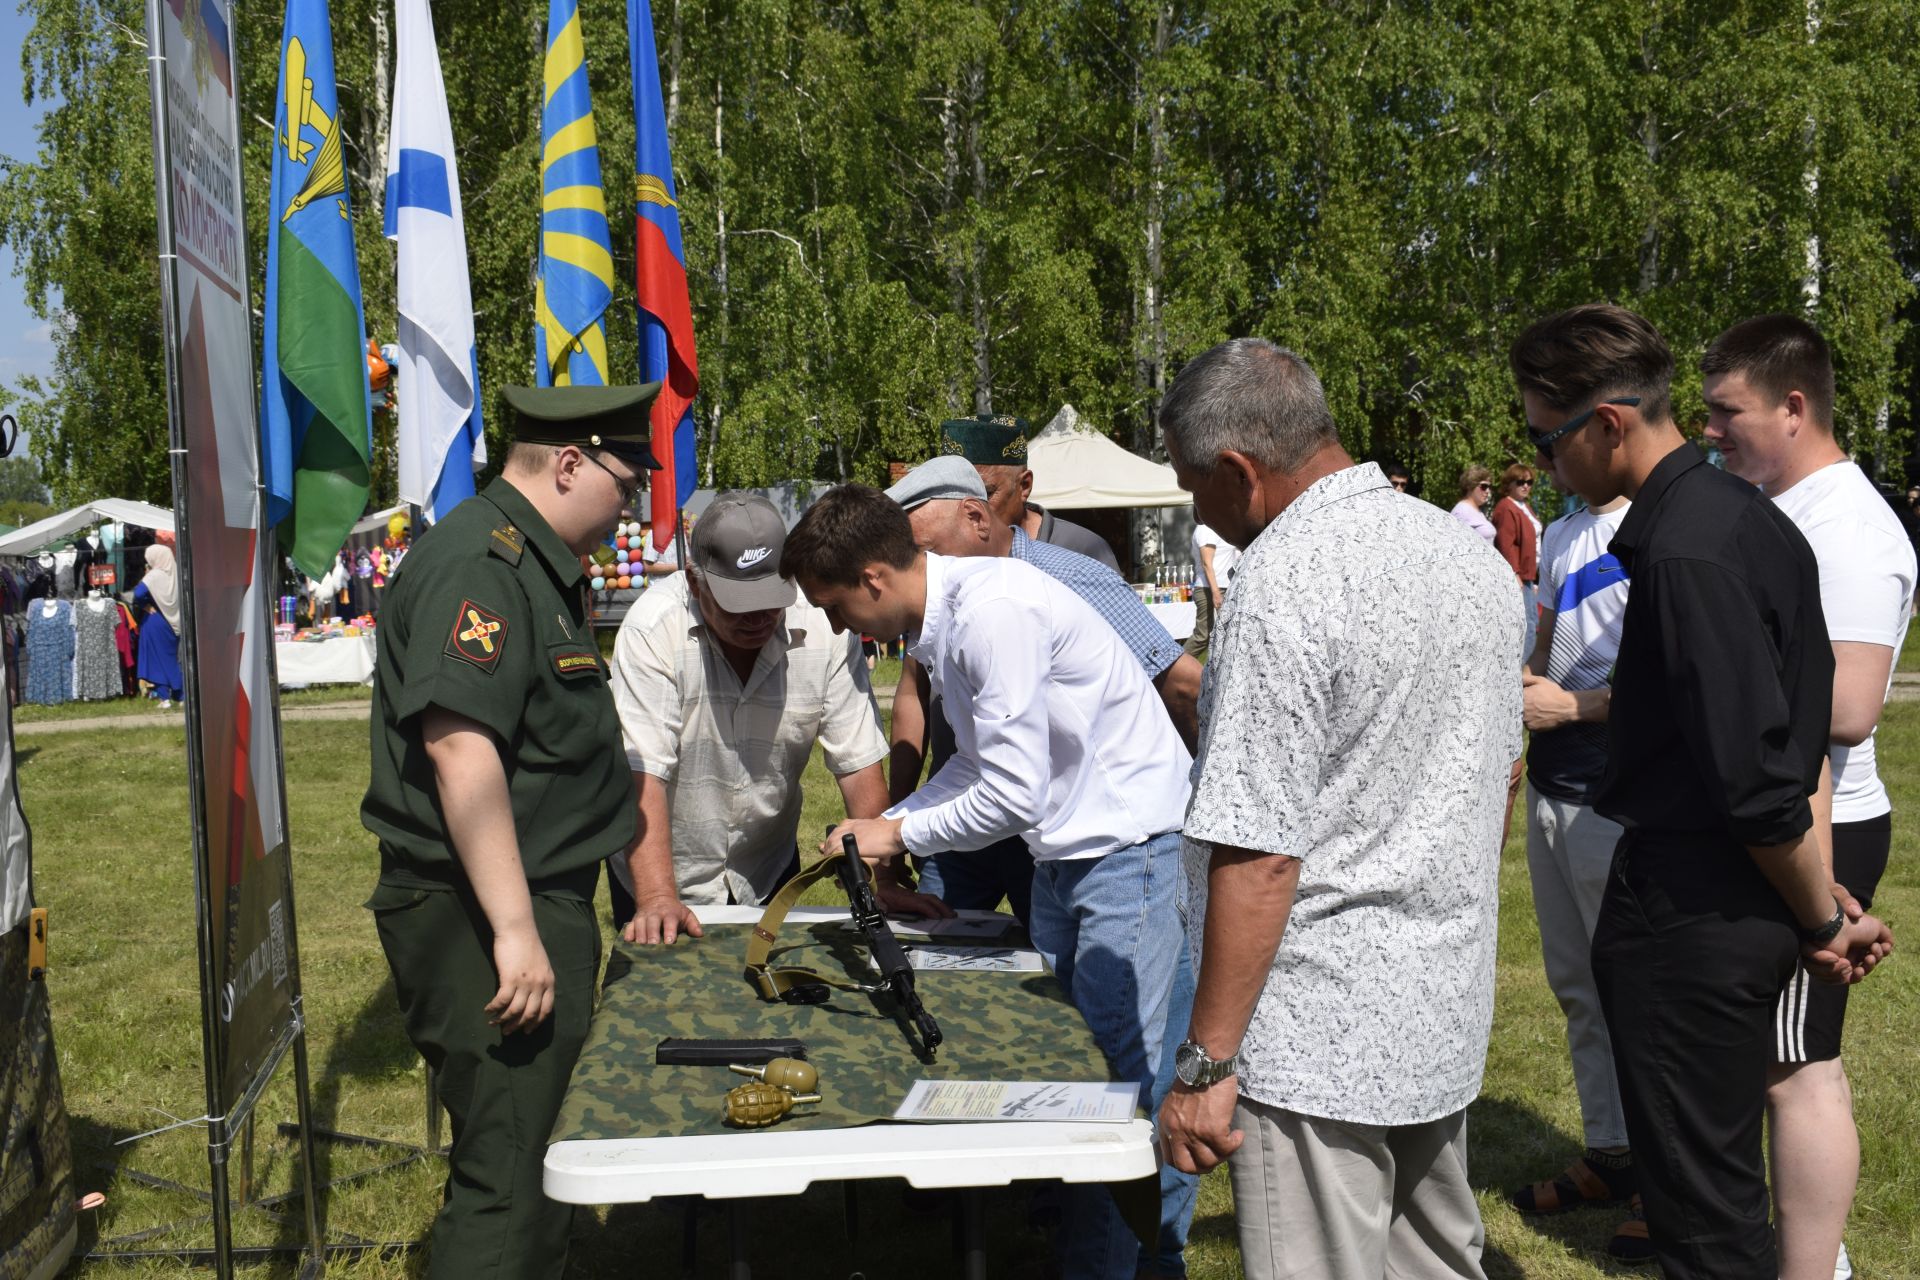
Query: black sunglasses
{"points": [[1544, 443]]}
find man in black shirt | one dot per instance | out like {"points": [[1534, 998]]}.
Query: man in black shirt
{"points": [[1717, 736]]}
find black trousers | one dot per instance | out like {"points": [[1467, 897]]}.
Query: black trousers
{"points": [[1689, 955]]}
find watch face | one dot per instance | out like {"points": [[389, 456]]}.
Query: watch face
{"points": [[1188, 1060]]}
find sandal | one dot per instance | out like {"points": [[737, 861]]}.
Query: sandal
{"points": [[1580, 1185], [1631, 1243]]}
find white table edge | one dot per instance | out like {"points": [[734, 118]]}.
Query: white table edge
{"points": [[779, 1163]]}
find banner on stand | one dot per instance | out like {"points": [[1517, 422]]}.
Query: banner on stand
{"points": [[243, 873]]}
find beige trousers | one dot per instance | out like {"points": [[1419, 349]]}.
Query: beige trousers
{"points": [[1326, 1200]]}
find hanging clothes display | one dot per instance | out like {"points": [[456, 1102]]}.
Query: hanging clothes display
{"points": [[96, 657], [50, 649], [125, 632], [159, 591]]}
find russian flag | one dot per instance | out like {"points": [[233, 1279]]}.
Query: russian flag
{"points": [[666, 316], [441, 443]]}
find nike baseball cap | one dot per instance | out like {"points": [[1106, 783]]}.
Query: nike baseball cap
{"points": [[736, 551]]}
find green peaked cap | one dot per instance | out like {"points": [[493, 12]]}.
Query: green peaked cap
{"points": [[611, 418]]}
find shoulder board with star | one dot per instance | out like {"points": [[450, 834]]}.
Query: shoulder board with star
{"points": [[508, 543]]}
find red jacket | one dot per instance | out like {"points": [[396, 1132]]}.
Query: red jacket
{"points": [[1514, 538]]}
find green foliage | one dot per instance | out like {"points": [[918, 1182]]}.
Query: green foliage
{"points": [[21, 482], [894, 210]]}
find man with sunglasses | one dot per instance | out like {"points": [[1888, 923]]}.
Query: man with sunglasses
{"points": [[497, 789], [1718, 727]]}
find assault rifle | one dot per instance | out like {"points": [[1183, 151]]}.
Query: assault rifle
{"points": [[896, 975]]}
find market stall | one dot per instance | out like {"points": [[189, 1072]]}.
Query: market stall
{"points": [[1081, 472]]}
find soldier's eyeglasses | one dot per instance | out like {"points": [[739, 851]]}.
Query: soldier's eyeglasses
{"points": [[629, 489], [1544, 442]]}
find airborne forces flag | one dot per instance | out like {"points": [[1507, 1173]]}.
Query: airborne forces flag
{"points": [[315, 415]]}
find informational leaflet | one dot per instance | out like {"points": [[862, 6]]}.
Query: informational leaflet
{"points": [[978, 959], [964, 1101]]}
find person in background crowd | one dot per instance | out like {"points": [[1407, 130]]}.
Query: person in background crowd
{"points": [[158, 663], [1569, 846], [947, 507], [1359, 721], [724, 684], [1769, 393], [1398, 476], [1476, 490], [1516, 536], [1213, 561], [497, 790], [1717, 741], [997, 445], [1060, 739]]}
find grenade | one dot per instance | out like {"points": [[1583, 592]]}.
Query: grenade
{"points": [[757, 1104], [784, 1073]]}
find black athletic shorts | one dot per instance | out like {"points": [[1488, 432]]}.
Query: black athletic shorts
{"points": [[1808, 1019]]}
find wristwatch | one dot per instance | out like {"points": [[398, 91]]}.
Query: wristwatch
{"points": [[1196, 1070], [1818, 937]]}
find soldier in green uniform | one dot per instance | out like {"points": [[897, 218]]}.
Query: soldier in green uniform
{"points": [[499, 786]]}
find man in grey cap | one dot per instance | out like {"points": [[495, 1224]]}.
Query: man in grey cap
{"points": [[724, 681]]}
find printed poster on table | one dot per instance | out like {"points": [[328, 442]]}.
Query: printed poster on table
{"points": [[238, 811]]}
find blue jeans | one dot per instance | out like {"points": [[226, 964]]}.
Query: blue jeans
{"points": [[976, 879], [1110, 930]]}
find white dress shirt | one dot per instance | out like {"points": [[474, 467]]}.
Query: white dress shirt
{"points": [[1061, 739]]}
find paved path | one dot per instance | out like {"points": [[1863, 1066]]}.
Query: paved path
{"points": [[177, 719]]}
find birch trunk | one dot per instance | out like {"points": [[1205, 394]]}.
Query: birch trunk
{"points": [[716, 371]]}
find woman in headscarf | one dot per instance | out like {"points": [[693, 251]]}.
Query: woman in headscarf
{"points": [[158, 595]]}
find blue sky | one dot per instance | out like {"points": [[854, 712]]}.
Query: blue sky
{"points": [[26, 346]]}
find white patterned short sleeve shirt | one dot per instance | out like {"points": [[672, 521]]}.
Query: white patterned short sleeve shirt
{"points": [[1361, 712]]}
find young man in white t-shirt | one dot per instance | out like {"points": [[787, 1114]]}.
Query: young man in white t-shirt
{"points": [[1769, 393], [1583, 602], [1213, 561]]}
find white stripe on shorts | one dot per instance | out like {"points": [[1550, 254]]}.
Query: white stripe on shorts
{"points": [[1790, 1020]]}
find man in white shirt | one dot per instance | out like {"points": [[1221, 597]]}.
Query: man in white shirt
{"points": [[1213, 561], [724, 684], [1359, 720], [1769, 393], [1060, 739], [1583, 594]]}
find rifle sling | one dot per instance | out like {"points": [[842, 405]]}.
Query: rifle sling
{"points": [[773, 982]]}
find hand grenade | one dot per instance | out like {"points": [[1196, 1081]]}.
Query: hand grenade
{"points": [[758, 1104], [784, 1073]]}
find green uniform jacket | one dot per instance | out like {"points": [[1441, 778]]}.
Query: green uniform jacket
{"points": [[487, 617]]}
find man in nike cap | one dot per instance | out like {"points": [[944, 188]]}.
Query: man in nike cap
{"points": [[724, 680]]}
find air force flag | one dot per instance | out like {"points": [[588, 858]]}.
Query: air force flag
{"points": [[440, 441]]}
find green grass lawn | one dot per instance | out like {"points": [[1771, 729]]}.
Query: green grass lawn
{"points": [[113, 863]]}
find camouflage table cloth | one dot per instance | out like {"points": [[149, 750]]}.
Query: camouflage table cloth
{"points": [[998, 1026]]}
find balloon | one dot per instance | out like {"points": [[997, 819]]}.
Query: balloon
{"points": [[620, 543], [625, 582], [599, 584], [396, 525]]}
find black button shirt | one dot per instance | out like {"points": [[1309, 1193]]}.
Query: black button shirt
{"points": [[1723, 693]]}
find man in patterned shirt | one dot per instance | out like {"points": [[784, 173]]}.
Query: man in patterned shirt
{"points": [[1358, 723]]}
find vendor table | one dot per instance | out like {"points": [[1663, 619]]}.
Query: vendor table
{"points": [[335, 660], [1176, 616], [630, 1130]]}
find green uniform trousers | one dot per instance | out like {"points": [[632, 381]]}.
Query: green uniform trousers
{"points": [[502, 1092]]}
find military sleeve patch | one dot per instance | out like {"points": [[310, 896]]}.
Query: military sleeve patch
{"points": [[479, 636], [575, 664]]}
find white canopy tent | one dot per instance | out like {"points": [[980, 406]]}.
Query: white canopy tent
{"points": [[44, 533], [1076, 467]]}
